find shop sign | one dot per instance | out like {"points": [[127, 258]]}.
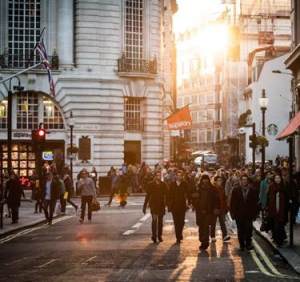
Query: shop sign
{"points": [[272, 129], [21, 135], [47, 155]]}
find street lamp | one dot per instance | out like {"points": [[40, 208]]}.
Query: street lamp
{"points": [[71, 125], [263, 102]]}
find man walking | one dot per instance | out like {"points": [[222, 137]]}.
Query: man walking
{"points": [[156, 197], [177, 204], [50, 194], [244, 209]]}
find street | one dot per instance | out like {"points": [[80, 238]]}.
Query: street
{"points": [[116, 246]]}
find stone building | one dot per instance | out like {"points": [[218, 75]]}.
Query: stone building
{"points": [[108, 66]]}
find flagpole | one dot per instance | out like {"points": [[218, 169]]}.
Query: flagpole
{"points": [[20, 72]]}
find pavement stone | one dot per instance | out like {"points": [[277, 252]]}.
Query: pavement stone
{"points": [[290, 254]]}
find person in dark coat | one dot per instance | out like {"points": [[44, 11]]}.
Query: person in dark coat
{"points": [[156, 197], [69, 189], [178, 203], [277, 209], [221, 212], [50, 195], [205, 203], [13, 193], [244, 210]]}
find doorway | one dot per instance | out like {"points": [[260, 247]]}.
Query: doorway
{"points": [[132, 152]]}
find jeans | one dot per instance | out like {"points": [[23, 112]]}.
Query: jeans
{"points": [[157, 225], [86, 200], [178, 218], [49, 207], [221, 218], [203, 224]]}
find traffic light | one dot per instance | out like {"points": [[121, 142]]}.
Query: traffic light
{"points": [[253, 141], [38, 135]]}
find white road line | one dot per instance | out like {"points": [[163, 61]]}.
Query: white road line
{"points": [[47, 263], [16, 261], [89, 260], [58, 237], [136, 226]]}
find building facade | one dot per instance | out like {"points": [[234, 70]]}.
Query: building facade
{"points": [[108, 66]]}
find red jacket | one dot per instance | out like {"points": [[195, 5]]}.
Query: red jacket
{"points": [[220, 191]]}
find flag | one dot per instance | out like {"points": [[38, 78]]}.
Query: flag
{"points": [[41, 50], [181, 119]]}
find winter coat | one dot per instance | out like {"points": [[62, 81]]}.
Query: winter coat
{"points": [[178, 197], [156, 197], [242, 208], [55, 189], [13, 193], [263, 193], [87, 187], [277, 208]]}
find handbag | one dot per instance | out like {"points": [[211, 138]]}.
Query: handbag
{"points": [[95, 205]]}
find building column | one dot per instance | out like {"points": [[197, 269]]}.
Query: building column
{"points": [[65, 33]]}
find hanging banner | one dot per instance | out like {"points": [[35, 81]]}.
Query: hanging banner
{"points": [[180, 120]]}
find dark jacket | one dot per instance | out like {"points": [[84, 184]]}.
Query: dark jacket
{"points": [[55, 189], [241, 208], [205, 201], [156, 197], [220, 193], [178, 197], [281, 215], [13, 192]]}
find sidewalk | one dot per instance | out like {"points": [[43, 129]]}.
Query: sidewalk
{"points": [[290, 254], [27, 218]]}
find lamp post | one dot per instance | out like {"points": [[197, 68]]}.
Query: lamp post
{"points": [[71, 125], [263, 102]]}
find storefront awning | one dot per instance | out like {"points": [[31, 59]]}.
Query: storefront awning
{"points": [[290, 128]]}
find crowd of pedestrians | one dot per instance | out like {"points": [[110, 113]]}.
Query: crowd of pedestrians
{"points": [[221, 195]]}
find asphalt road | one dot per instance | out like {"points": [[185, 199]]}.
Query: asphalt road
{"points": [[116, 246]]}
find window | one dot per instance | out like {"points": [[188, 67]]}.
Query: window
{"points": [[210, 98], [3, 114], [133, 121], [23, 31], [201, 136], [208, 136], [27, 110], [194, 99], [194, 136], [194, 117], [52, 117], [210, 114], [186, 100], [134, 41]]}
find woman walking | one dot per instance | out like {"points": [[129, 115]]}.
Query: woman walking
{"points": [[87, 191]]}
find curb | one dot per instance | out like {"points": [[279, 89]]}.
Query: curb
{"points": [[29, 225], [288, 254]]}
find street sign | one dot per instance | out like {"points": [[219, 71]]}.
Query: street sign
{"points": [[272, 129]]}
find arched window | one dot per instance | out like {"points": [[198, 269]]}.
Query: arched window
{"points": [[32, 108]]}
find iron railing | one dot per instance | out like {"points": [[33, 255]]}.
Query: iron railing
{"points": [[127, 65], [8, 61]]}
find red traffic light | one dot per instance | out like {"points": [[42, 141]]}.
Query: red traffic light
{"points": [[41, 132]]}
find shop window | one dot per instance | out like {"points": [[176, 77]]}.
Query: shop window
{"points": [[3, 114]]}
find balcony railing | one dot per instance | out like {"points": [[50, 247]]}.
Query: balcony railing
{"points": [[24, 61], [134, 124], [137, 66]]}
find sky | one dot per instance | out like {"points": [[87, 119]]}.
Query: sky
{"points": [[193, 13]]}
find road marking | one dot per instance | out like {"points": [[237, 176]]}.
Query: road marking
{"points": [[89, 260], [47, 263], [136, 226], [266, 259], [27, 231], [16, 261], [58, 237], [260, 265]]}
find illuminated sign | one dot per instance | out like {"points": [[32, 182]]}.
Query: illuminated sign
{"points": [[47, 156]]}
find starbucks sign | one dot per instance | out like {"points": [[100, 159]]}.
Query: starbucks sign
{"points": [[272, 129]]}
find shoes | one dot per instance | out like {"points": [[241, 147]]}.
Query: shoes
{"points": [[107, 205], [35, 212], [81, 220], [160, 239], [50, 222], [178, 242], [153, 239], [213, 239], [249, 247], [226, 238]]}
